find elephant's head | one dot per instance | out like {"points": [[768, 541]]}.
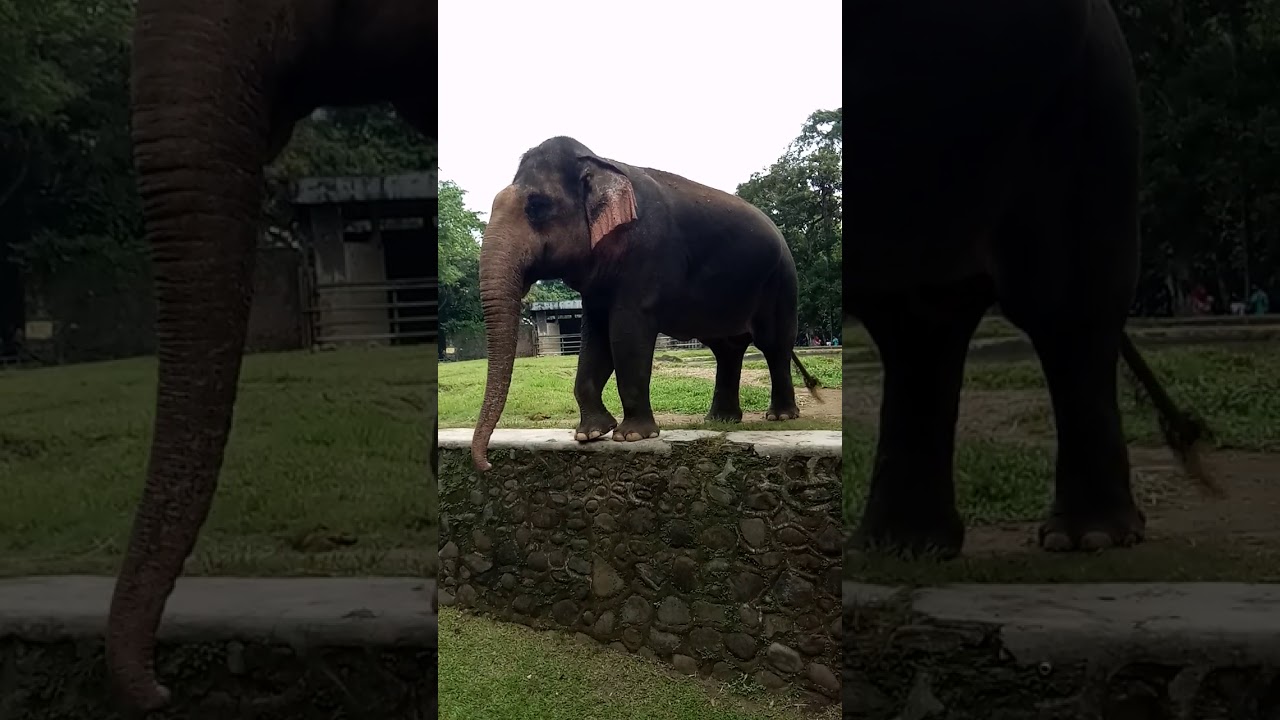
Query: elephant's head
{"points": [[563, 203]]}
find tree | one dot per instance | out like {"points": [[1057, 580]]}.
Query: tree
{"points": [[802, 194], [550, 291], [459, 254]]}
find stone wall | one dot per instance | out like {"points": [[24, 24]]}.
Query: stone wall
{"points": [[218, 680], [245, 648], [1063, 652], [718, 553]]}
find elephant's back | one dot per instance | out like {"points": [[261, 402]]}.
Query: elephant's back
{"points": [[704, 213]]}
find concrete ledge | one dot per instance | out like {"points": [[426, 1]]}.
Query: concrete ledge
{"points": [[716, 552], [766, 443], [1070, 651], [340, 612]]}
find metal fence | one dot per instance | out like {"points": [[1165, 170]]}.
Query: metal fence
{"points": [[393, 312], [572, 344]]}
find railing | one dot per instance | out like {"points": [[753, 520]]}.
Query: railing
{"points": [[395, 311], [572, 344]]}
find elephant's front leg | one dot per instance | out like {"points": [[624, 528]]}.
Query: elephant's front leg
{"points": [[632, 337], [911, 506], [595, 365]]}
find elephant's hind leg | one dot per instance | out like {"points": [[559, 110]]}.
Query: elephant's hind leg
{"points": [[726, 403], [773, 330], [922, 339], [1093, 506]]}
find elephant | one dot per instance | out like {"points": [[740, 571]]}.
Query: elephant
{"points": [[650, 252], [217, 88], [999, 167]]}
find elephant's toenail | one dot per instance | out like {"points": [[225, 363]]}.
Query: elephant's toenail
{"points": [[1096, 540], [1056, 542], [595, 434]]}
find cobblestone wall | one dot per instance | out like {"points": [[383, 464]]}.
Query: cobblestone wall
{"points": [[900, 663], [695, 549], [213, 681]]}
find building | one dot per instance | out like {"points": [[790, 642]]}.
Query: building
{"points": [[373, 258], [557, 328]]}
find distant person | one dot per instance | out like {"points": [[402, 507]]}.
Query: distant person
{"points": [[1201, 301], [1259, 303], [1237, 307]]}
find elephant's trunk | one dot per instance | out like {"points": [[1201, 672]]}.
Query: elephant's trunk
{"points": [[199, 135], [504, 261]]}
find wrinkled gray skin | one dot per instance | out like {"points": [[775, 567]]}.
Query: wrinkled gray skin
{"points": [[217, 88], [995, 148]]}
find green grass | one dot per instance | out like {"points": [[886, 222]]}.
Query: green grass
{"points": [[500, 671], [1236, 391], [326, 448], [996, 481], [541, 392]]}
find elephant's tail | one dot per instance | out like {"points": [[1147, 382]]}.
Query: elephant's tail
{"points": [[1183, 431], [810, 382]]}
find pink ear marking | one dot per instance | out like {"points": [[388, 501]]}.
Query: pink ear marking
{"points": [[619, 209]]}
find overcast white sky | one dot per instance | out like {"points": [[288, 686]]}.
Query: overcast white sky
{"points": [[713, 90]]}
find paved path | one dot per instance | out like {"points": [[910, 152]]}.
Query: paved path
{"points": [[295, 611]]}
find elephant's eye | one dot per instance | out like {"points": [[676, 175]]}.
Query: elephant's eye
{"points": [[538, 208]]}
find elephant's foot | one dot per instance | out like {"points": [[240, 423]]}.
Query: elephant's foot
{"points": [[594, 427], [724, 415], [1093, 531], [632, 430], [919, 535], [778, 411]]}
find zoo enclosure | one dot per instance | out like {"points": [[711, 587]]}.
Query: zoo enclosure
{"points": [[572, 344], [373, 261]]}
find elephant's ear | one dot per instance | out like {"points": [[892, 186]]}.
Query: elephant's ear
{"points": [[611, 201]]}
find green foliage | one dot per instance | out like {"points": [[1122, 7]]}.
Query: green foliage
{"points": [[66, 178], [802, 194], [369, 140], [1211, 191], [551, 291], [459, 234]]}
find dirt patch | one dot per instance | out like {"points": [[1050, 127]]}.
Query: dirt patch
{"points": [[983, 413], [707, 372], [1245, 520]]}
